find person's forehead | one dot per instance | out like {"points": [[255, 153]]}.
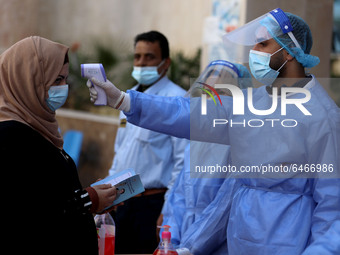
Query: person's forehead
{"points": [[271, 43], [64, 70], [262, 34], [147, 47]]}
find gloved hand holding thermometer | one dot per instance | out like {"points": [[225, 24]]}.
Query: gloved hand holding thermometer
{"points": [[103, 90], [97, 71]]}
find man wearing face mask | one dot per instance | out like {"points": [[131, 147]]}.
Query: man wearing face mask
{"points": [[158, 158]]}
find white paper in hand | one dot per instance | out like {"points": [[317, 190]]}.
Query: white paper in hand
{"points": [[127, 182]]}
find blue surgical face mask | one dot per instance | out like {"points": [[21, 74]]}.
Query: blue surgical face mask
{"points": [[57, 96], [146, 75], [259, 66]]}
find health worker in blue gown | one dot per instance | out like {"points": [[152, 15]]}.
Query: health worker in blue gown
{"points": [[284, 137], [203, 174]]}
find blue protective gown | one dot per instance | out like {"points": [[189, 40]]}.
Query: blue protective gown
{"points": [[283, 215], [192, 194], [207, 235]]}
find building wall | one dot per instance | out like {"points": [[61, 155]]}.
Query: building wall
{"points": [[116, 21], [18, 19], [99, 133]]}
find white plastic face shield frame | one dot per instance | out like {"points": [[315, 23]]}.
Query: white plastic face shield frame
{"points": [[217, 72], [239, 42]]}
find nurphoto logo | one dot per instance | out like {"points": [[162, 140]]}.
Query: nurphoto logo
{"points": [[204, 97], [239, 104]]}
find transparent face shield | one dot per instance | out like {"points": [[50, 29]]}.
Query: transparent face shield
{"points": [[206, 105], [217, 72], [274, 24], [204, 88]]}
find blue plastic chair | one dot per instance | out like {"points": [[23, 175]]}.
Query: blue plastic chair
{"points": [[73, 140]]}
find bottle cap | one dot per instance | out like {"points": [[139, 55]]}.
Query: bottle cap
{"points": [[166, 234]]}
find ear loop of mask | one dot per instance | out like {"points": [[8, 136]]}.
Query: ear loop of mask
{"points": [[160, 64], [278, 70]]}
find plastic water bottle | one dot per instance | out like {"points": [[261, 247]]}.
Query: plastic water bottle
{"points": [[106, 229]]}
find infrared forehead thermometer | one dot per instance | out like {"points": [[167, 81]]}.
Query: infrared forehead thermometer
{"points": [[97, 71]]}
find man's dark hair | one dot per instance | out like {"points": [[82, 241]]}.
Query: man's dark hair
{"points": [[154, 36]]}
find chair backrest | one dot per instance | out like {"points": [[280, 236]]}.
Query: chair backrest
{"points": [[73, 140]]}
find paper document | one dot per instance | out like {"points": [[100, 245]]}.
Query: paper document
{"points": [[127, 182]]}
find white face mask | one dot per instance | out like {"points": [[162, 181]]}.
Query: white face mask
{"points": [[259, 66], [146, 75], [57, 96]]}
